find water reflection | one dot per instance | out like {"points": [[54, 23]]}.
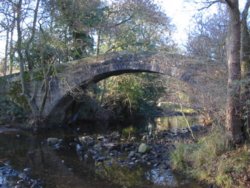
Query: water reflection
{"points": [[63, 168]]}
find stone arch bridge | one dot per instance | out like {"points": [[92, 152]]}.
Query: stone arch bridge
{"points": [[81, 73]]}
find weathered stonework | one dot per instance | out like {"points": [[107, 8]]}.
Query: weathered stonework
{"points": [[81, 73]]}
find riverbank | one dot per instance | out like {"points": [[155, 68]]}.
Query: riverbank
{"points": [[213, 161], [124, 159]]}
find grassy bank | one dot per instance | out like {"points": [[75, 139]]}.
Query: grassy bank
{"points": [[213, 161]]}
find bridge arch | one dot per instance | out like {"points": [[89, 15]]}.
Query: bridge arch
{"points": [[82, 73]]}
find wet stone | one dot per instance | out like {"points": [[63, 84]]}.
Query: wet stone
{"points": [[18, 136], [131, 163], [246, 178], [133, 159], [86, 140], [20, 182], [115, 135], [131, 154], [53, 141], [143, 148], [79, 148], [100, 138], [27, 170], [156, 164], [22, 176], [101, 159], [111, 146]]}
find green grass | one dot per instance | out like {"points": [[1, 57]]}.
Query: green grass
{"points": [[177, 108], [212, 160]]}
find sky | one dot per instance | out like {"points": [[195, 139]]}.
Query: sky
{"points": [[181, 13]]}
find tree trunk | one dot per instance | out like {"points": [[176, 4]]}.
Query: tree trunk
{"points": [[245, 70], [233, 120], [31, 39], [5, 65], [25, 91], [12, 50]]}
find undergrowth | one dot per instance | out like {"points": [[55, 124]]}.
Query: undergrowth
{"points": [[212, 160]]}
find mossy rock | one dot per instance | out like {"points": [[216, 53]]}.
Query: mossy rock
{"points": [[9, 111], [143, 148], [15, 95]]}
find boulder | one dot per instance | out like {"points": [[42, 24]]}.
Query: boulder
{"points": [[143, 148], [86, 140]]}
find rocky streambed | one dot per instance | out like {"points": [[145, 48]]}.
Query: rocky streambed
{"points": [[96, 160]]}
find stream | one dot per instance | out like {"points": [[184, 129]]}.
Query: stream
{"points": [[75, 158]]}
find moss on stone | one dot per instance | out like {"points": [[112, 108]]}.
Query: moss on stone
{"points": [[15, 95], [9, 111]]}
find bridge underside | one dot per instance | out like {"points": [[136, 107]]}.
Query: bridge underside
{"points": [[58, 113]]}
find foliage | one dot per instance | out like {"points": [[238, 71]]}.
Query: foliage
{"points": [[208, 38], [80, 18], [136, 25], [133, 93], [127, 132]]}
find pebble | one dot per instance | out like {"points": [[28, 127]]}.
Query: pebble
{"points": [[100, 159], [70, 169], [27, 170], [19, 181], [131, 154], [22, 176], [246, 178], [131, 163], [18, 136], [100, 138]]}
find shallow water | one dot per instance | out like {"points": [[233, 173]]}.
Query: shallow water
{"points": [[64, 168]]}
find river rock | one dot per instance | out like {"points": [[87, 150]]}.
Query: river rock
{"points": [[97, 147], [131, 154], [246, 178], [100, 138], [115, 135], [101, 159], [79, 148], [53, 141], [131, 163], [143, 148], [86, 140], [27, 170]]}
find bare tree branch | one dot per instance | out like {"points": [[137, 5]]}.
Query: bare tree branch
{"points": [[229, 3], [209, 4], [245, 11]]}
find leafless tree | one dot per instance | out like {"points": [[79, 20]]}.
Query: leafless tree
{"points": [[245, 68]]}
